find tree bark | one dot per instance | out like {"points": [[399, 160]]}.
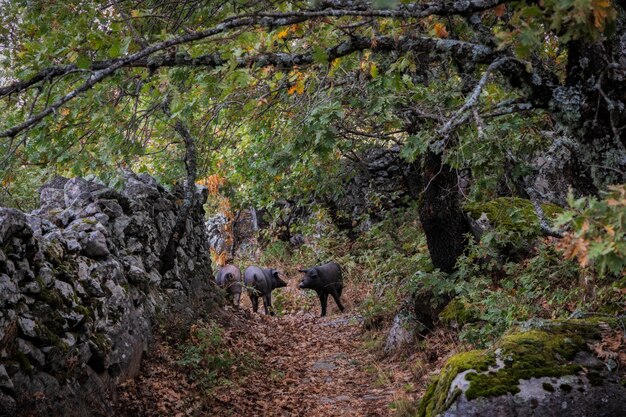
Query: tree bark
{"points": [[440, 213], [593, 108], [168, 256]]}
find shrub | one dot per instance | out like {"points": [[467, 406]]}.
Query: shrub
{"points": [[597, 232]]}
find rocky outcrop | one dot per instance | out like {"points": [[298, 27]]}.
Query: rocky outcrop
{"points": [[216, 232], [541, 369], [80, 290]]}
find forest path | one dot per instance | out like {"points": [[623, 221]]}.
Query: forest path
{"points": [[312, 366], [295, 365]]}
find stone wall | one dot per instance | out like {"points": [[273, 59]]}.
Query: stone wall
{"points": [[80, 290]]}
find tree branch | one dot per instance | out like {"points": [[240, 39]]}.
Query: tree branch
{"points": [[168, 256], [342, 8], [543, 223], [459, 49], [472, 100]]}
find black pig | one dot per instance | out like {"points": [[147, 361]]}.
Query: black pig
{"points": [[324, 279], [260, 283], [229, 278]]}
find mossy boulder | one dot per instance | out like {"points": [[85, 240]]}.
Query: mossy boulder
{"points": [[458, 312], [540, 369], [512, 213]]}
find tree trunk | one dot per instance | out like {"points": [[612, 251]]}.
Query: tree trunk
{"points": [[441, 215], [593, 106], [168, 256]]}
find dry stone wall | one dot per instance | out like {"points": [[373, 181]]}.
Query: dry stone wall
{"points": [[80, 290]]}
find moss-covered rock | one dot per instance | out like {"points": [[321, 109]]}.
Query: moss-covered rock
{"points": [[439, 394], [519, 376], [458, 312], [511, 211]]}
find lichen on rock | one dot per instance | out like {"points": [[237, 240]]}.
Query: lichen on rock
{"points": [[510, 379]]}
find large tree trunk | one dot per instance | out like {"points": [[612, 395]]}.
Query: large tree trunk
{"points": [[593, 106], [441, 215]]}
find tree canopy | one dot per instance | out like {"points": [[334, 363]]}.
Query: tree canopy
{"points": [[275, 92]]}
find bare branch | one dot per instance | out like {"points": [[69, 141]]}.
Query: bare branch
{"points": [[168, 256], [472, 100], [543, 223], [343, 8]]}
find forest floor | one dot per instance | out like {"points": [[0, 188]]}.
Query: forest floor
{"points": [[295, 365]]}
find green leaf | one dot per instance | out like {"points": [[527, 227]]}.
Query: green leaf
{"points": [[83, 62], [319, 55]]}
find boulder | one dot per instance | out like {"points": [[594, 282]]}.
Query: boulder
{"points": [[540, 369]]}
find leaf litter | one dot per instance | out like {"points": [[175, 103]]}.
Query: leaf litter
{"points": [[295, 365]]}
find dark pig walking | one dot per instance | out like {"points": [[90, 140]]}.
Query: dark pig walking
{"points": [[229, 278], [260, 283], [324, 279]]}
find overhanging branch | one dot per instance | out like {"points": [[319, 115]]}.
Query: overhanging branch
{"points": [[103, 69]]}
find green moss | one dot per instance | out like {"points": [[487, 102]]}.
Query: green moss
{"points": [[544, 349], [23, 362], [81, 309], [51, 297], [548, 386], [512, 212], [595, 379], [436, 397], [102, 343], [48, 334], [458, 311], [530, 354]]}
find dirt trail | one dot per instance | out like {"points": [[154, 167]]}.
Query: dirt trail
{"points": [[317, 367], [304, 365]]}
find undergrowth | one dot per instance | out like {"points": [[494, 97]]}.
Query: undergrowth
{"points": [[208, 359], [510, 274]]}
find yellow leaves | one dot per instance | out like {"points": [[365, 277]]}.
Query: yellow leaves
{"points": [[575, 247], [65, 112], [499, 10], [602, 10], [368, 66], [224, 206], [612, 344], [6, 181], [282, 34], [440, 30], [619, 198], [298, 86], [218, 258], [213, 183]]}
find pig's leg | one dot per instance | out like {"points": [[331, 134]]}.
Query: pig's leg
{"points": [[255, 303], [236, 298], [323, 300], [336, 296], [267, 303]]}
